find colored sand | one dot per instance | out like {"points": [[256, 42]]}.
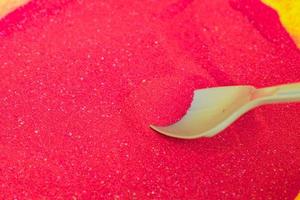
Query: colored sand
{"points": [[82, 80]]}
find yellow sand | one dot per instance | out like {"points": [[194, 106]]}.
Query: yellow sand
{"points": [[7, 6], [289, 13]]}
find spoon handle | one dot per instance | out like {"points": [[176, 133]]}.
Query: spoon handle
{"points": [[281, 93]]}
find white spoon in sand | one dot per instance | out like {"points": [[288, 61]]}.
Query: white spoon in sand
{"points": [[214, 109]]}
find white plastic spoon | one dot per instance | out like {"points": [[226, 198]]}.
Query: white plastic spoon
{"points": [[214, 109]]}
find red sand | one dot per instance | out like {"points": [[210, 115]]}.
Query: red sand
{"points": [[82, 80]]}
